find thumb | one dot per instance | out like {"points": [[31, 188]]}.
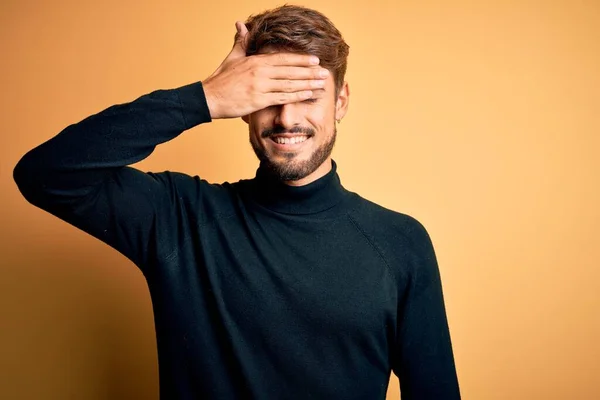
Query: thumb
{"points": [[241, 41]]}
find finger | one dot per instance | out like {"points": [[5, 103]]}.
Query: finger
{"points": [[287, 72], [241, 39], [294, 85], [243, 32], [286, 98], [292, 59], [318, 94]]}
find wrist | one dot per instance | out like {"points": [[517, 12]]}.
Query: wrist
{"points": [[193, 104], [211, 100]]}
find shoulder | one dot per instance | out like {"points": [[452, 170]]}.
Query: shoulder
{"points": [[401, 238], [385, 222]]}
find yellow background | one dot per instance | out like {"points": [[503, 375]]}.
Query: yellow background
{"points": [[480, 119]]}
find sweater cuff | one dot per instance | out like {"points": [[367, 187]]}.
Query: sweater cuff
{"points": [[193, 104]]}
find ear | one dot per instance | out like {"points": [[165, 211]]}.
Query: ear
{"points": [[245, 118], [341, 104]]}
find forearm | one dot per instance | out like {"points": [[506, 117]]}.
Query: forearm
{"points": [[83, 155]]}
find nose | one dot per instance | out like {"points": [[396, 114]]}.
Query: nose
{"points": [[287, 115]]}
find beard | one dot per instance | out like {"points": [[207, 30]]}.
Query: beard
{"points": [[291, 169]]}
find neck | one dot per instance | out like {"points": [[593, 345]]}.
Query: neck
{"points": [[321, 195], [320, 172]]}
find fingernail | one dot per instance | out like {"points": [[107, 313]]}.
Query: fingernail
{"points": [[314, 60]]}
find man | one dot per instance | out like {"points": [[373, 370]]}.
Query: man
{"points": [[284, 286]]}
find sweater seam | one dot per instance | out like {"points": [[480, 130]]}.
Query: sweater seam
{"points": [[387, 265], [374, 246]]}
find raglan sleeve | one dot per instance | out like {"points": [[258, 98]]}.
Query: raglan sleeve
{"points": [[83, 174], [423, 358]]}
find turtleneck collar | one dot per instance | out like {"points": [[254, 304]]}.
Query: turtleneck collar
{"points": [[317, 196]]}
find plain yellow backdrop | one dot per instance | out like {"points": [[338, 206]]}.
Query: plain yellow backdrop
{"points": [[481, 119]]}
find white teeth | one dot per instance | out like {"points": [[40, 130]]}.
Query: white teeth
{"points": [[293, 140]]}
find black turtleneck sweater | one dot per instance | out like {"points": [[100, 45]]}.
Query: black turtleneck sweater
{"points": [[260, 290]]}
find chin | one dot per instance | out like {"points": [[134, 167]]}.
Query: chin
{"points": [[293, 166]]}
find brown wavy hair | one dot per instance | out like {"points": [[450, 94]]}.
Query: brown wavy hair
{"points": [[300, 30]]}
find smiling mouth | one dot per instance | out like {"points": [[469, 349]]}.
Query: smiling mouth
{"points": [[289, 140]]}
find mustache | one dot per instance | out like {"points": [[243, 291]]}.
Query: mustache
{"points": [[278, 130]]}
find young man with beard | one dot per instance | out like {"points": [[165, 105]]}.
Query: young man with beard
{"points": [[282, 286]]}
